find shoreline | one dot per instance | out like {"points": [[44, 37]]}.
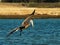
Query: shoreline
{"points": [[23, 16]]}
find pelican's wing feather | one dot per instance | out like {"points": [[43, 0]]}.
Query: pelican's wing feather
{"points": [[31, 13], [16, 29], [31, 21]]}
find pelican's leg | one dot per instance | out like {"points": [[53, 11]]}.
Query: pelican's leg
{"points": [[20, 32], [21, 28]]}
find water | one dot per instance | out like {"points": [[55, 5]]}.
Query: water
{"points": [[44, 32]]}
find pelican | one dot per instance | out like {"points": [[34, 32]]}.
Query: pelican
{"points": [[25, 24]]}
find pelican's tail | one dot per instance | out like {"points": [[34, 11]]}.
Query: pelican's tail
{"points": [[33, 12], [14, 30]]}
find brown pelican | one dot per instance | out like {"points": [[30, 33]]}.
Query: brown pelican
{"points": [[26, 23]]}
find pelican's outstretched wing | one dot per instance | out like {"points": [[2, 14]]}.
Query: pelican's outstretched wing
{"points": [[14, 30], [28, 18]]}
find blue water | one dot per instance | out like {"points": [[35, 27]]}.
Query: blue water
{"points": [[44, 32]]}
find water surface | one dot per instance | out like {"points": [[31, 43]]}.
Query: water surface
{"points": [[44, 32]]}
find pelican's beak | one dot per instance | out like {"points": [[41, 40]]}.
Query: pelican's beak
{"points": [[31, 21]]}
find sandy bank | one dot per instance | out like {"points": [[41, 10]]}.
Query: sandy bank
{"points": [[25, 10], [7, 11]]}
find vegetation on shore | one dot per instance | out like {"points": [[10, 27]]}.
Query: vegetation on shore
{"points": [[32, 4]]}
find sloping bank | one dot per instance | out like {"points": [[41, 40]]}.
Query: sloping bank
{"points": [[22, 12]]}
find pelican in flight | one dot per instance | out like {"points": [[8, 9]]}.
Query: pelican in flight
{"points": [[25, 24]]}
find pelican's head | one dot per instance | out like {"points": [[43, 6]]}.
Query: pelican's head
{"points": [[31, 22]]}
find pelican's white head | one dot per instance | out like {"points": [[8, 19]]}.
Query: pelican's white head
{"points": [[31, 21]]}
